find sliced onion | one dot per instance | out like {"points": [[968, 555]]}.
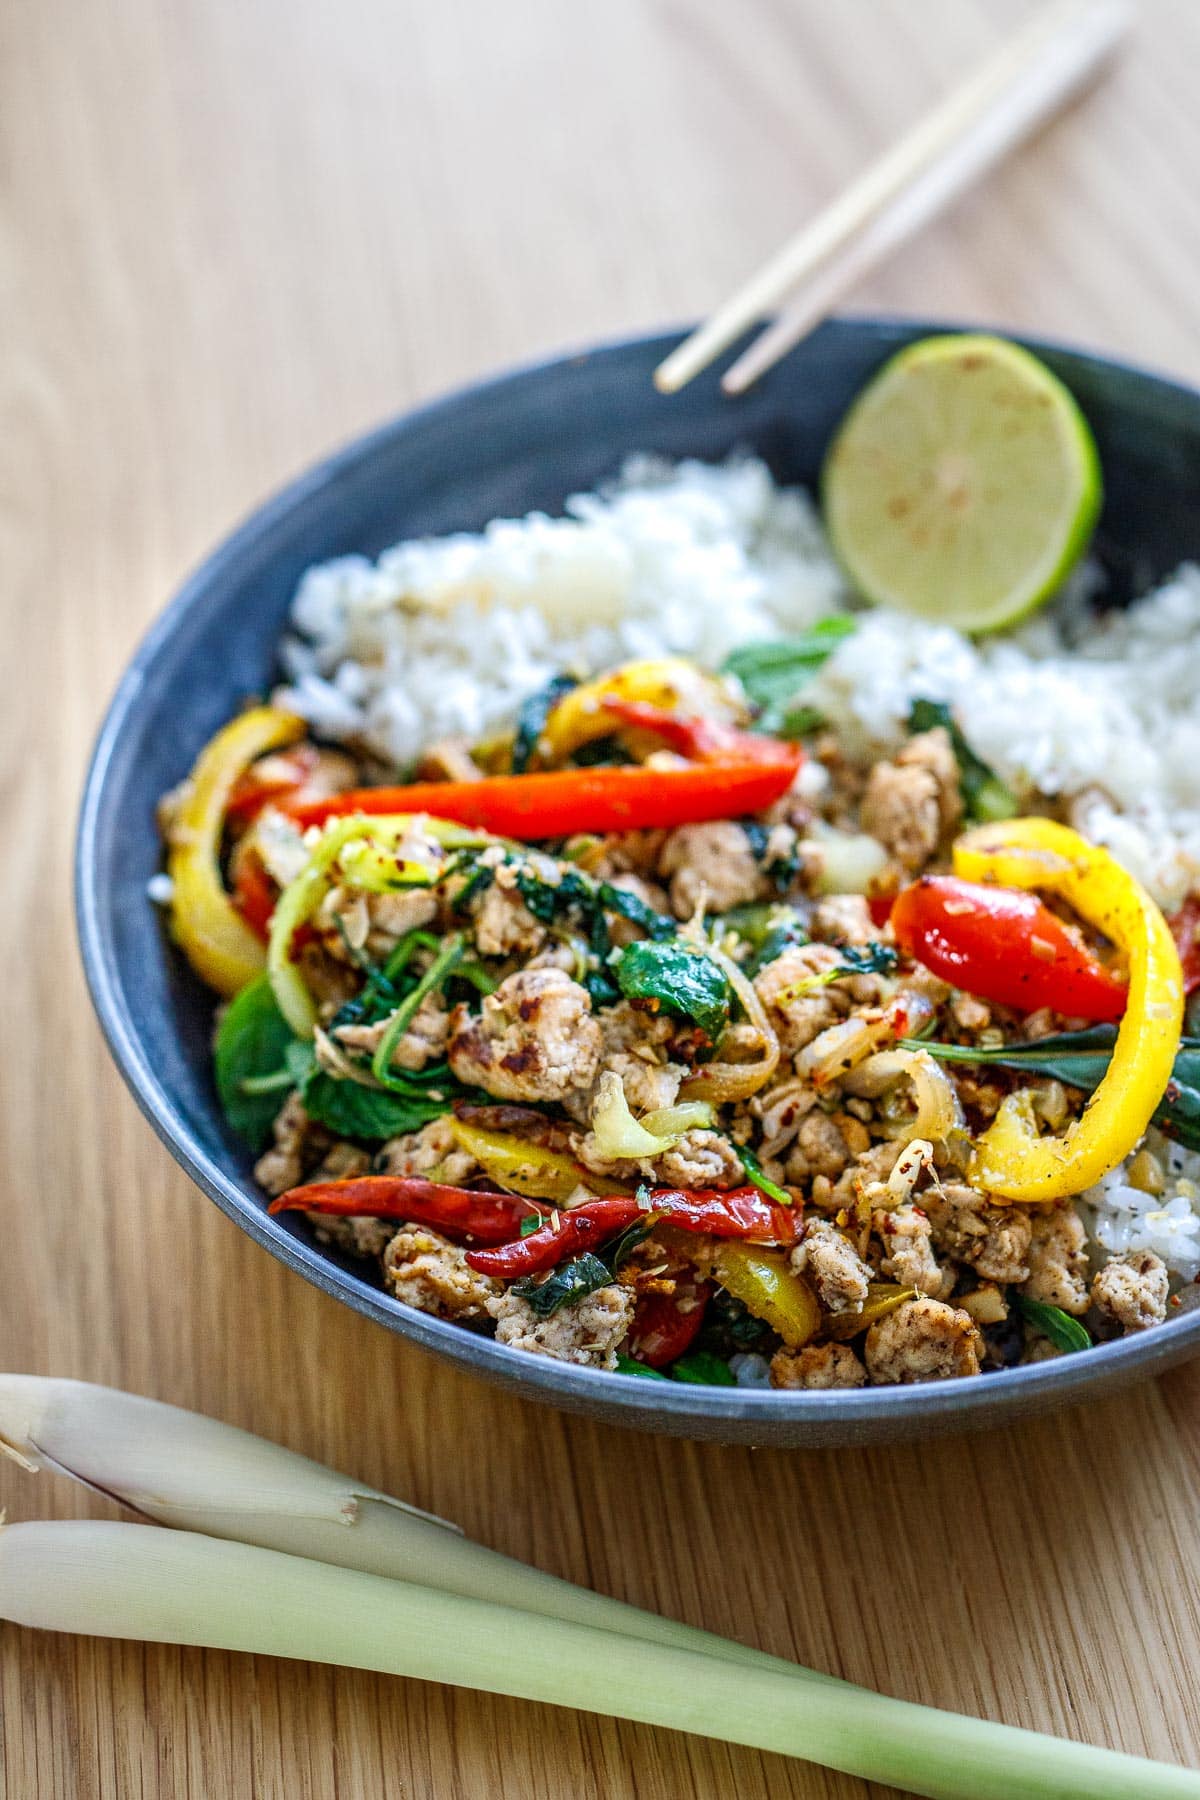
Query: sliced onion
{"points": [[847, 861], [834, 1055], [879, 1074], [616, 1131], [673, 1122], [936, 1111], [722, 1082], [334, 1060]]}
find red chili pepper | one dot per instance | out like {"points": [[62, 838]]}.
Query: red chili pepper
{"points": [[1005, 946], [254, 893], [562, 802], [282, 772], [880, 908], [567, 1234], [459, 1213], [1185, 929], [741, 1213], [665, 1325]]}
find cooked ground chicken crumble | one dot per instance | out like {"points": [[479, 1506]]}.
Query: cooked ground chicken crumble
{"points": [[709, 1031]]}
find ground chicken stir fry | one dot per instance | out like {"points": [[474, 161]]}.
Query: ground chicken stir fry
{"points": [[791, 1091]]}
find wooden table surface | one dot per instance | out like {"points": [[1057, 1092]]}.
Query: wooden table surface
{"points": [[232, 234]]}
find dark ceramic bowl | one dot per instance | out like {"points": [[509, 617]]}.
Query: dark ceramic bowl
{"points": [[498, 450]]}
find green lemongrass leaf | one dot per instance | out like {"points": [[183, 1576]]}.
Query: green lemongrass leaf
{"points": [[124, 1581], [985, 796], [682, 981], [248, 1061], [531, 719], [753, 1171], [703, 1369], [629, 1365], [1065, 1332]]}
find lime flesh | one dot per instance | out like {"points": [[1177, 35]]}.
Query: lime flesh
{"points": [[963, 485]]}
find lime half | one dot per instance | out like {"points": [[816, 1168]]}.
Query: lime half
{"points": [[963, 484]]}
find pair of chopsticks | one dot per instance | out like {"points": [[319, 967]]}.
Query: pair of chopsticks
{"points": [[1027, 80]]}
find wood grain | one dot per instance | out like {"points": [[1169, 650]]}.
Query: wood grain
{"points": [[232, 235]]}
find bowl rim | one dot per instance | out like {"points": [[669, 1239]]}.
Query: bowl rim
{"points": [[642, 1402]]}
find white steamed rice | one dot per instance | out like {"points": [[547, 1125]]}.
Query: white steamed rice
{"points": [[445, 637]]}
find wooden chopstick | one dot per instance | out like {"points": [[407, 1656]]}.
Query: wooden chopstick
{"points": [[953, 146]]}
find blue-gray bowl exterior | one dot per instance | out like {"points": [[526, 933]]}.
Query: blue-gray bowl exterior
{"points": [[523, 441]]}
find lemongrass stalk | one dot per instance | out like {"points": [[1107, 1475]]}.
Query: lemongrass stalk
{"points": [[130, 1581], [182, 1469]]}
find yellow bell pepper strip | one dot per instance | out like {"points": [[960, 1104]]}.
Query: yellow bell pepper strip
{"points": [[220, 945], [514, 1163], [882, 1298], [363, 845], [1011, 1160], [668, 683], [763, 1280], [767, 1286]]}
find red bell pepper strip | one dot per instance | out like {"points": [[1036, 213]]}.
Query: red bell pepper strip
{"points": [[1185, 929], [561, 802], [739, 1213], [665, 1325], [1005, 946], [458, 1213], [254, 893]]}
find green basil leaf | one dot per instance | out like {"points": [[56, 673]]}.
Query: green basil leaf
{"points": [[1065, 1333], [704, 1369], [867, 959], [683, 981], [629, 1365], [252, 1043], [565, 1286], [622, 1247], [637, 911], [375, 1114], [773, 671], [985, 796], [769, 929], [531, 719]]}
